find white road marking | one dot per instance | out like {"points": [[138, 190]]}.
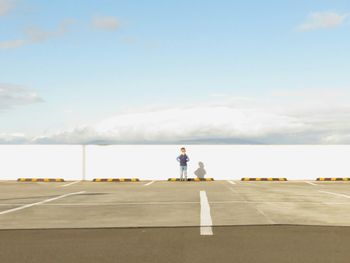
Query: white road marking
{"points": [[336, 194], [149, 183], [311, 183], [65, 185], [39, 203], [180, 203], [335, 203], [267, 218], [251, 202], [231, 182], [206, 222], [108, 204]]}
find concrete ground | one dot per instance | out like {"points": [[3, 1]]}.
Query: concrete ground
{"points": [[238, 244], [88, 204], [294, 221]]}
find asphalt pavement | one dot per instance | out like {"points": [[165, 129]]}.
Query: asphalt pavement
{"points": [[158, 221]]}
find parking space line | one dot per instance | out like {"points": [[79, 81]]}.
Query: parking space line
{"points": [[253, 203], [149, 183], [107, 204], [206, 221], [266, 216], [65, 185], [312, 183], [39, 203], [231, 182], [336, 194], [179, 203]]}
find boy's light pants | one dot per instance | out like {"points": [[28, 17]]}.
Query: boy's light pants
{"points": [[183, 172]]}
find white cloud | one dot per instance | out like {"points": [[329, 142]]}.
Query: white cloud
{"points": [[322, 20], [129, 40], [13, 95], [16, 43], [336, 139], [108, 23], [6, 6], [37, 35], [278, 119], [12, 138]]}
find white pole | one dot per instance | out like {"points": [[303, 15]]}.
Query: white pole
{"points": [[84, 163]]}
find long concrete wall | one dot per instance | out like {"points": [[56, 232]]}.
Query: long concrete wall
{"points": [[157, 162], [40, 161]]}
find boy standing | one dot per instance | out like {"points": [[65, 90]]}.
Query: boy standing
{"points": [[183, 159]]}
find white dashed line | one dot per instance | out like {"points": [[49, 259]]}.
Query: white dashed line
{"points": [[206, 222], [149, 183], [70, 184], [311, 183], [39, 203], [231, 182], [330, 193]]}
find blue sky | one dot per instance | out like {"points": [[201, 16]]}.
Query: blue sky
{"points": [[68, 71]]}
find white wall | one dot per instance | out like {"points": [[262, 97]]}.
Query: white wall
{"points": [[44, 161], [221, 161], [158, 161]]}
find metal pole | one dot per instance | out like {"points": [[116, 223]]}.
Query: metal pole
{"points": [[84, 162]]}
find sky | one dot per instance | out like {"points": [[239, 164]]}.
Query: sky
{"points": [[175, 71]]}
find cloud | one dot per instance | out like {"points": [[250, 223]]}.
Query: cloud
{"points": [[322, 20], [13, 95], [278, 119], [6, 6], [129, 40], [16, 43], [177, 124], [13, 138], [37, 35], [108, 23]]}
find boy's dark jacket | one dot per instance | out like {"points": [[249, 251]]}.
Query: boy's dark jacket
{"points": [[183, 159]]}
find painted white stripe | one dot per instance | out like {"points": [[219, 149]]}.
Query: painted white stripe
{"points": [[312, 183], [179, 203], [39, 203], [336, 194], [231, 182], [65, 185], [149, 183], [107, 204], [206, 222], [266, 216]]}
